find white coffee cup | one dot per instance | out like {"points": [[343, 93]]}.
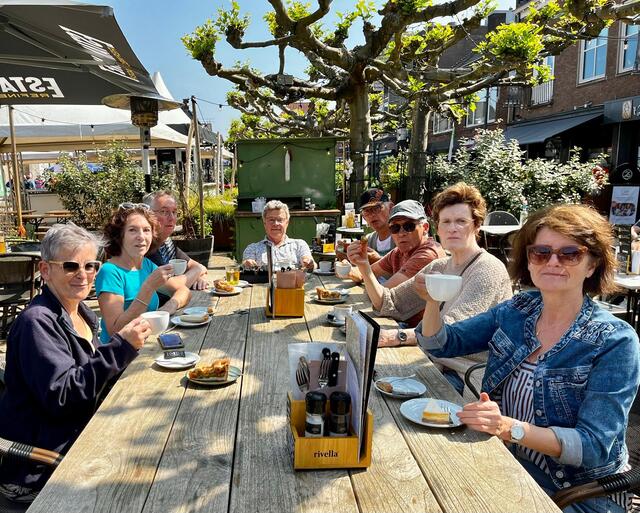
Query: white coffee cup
{"points": [[340, 312], [179, 266], [342, 269], [443, 287], [159, 320], [325, 266]]}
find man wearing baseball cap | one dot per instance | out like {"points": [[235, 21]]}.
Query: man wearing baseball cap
{"points": [[414, 249], [375, 207]]}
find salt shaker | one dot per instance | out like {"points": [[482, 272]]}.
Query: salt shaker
{"points": [[315, 406]]}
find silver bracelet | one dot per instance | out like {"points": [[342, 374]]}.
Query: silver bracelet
{"points": [[141, 301]]}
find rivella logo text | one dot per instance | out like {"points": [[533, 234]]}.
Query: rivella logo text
{"points": [[29, 87]]}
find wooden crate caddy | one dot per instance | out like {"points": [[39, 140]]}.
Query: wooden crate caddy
{"points": [[287, 303], [325, 452]]}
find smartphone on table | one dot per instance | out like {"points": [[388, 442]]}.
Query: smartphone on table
{"points": [[170, 341]]}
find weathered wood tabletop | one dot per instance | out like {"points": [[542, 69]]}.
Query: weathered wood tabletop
{"points": [[159, 445]]}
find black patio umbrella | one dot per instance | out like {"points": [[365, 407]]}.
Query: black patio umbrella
{"points": [[60, 51]]}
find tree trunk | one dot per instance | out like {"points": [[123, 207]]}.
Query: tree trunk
{"points": [[359, 138], [417, 165]]}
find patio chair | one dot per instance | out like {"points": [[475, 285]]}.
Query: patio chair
{"points": [[14, 451], [499, 245], [18, 284]]}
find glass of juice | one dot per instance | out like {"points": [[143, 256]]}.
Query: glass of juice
{"points": [[233, 274], [3, 245]]}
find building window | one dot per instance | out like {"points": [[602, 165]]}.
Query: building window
{"points": [[479, 116], [441, 124], [593, 63], [629, 39], [543, 93]]}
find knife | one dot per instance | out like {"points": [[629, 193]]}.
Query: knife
{"points": [[333, 369]]}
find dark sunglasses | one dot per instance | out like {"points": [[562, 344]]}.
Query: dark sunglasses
{"points": [[407, 227], [70, 267], [127, 206], [567, 255]]}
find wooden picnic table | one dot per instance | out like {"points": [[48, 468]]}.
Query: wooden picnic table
{"points": [[158, 444]]}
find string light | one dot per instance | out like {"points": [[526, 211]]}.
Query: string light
{"points": [[328, 151], [626, 44]]}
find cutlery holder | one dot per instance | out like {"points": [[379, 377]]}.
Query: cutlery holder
{"points": [[287, 303], [326, 452]]}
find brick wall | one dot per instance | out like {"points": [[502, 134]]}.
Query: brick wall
{"points": [[568, 93]]}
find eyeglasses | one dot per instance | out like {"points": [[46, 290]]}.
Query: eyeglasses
{"points": [[166, 213], [567, 255], [71, 267], [407, 227], [458, 223], [127, 206], [369, 211]]}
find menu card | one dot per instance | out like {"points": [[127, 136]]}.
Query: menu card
{"points": [[362, 343]]}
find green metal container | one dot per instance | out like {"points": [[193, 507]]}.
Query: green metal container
{"points": [[261, 171]]}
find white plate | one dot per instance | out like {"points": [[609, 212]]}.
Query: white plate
{"points": [[402, 388], [178, 322], [350, 230], [236, 290], [196, 310], [243, 283], [336, 301], [413, 409], [182, 362], [233, 375], [322, 273], [335, 322]]}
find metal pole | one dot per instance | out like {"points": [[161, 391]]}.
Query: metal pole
{"points": [[145, 138], [219, 164], [16, 178], [198, 165]]}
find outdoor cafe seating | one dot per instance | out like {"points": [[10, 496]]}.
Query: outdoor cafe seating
{"points": [[18, 285]]}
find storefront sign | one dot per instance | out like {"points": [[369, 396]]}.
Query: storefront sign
{"points": [[624, 205], [617, 111]]}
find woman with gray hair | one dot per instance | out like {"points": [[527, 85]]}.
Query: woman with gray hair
{"points": [[275, 217], [57, 372]]}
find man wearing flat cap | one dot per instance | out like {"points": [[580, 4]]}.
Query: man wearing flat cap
{"points": [[414, 248]]}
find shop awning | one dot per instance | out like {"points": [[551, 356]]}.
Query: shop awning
{"points": [[537, 131]]}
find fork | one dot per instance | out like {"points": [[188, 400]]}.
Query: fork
{"points": [[303, 374], [323, 376]]}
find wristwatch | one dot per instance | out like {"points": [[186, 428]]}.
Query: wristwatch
{"points": [[402, 337], [517, 432]]}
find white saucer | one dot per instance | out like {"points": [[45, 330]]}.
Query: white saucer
{"points": [[236, 290], [196, 310], [243, 283], [413, 409], [335, 322], [233, 375], [182, 362], [178, 322], [402, 388]]}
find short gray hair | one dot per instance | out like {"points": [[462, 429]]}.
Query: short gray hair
{"points": [[150, 198], [275, 205], [67, 236]]}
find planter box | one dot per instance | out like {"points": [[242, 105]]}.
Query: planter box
{"points": [[198, 249]]}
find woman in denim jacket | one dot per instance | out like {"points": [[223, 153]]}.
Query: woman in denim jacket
{"points": [[562, 373]]}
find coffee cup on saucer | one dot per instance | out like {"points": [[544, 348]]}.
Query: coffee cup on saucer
{"points": [[443, 287], [340, 312], [325, 266], [342, 269]]}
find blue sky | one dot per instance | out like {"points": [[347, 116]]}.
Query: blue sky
{"points": [[154, 29]]}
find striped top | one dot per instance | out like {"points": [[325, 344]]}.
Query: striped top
{"points": [[516, 401]]}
